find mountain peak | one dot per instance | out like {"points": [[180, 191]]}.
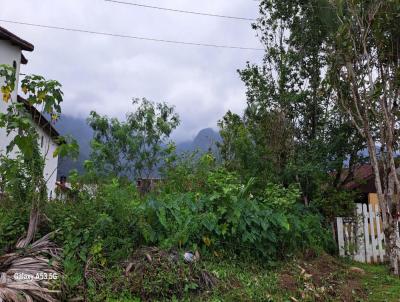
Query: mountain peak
{"points": [[206, 138], [204, 141]]}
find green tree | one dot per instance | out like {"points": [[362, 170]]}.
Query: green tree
{"points": [[23, 173], [236, 144], [364, 71], [333, 67], [256, 144], [298, 133], [135, 147]]}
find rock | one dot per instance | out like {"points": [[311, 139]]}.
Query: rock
{"points": [[357, 270], [189, 257]]}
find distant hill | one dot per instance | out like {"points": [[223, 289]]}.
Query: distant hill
{"points": [[204, 141], [80, 130]]}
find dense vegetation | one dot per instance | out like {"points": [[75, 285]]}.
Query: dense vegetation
{"points": [[268, 200], [103, 222]]}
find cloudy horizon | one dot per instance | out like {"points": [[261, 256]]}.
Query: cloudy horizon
{"points": [[104, 73]]}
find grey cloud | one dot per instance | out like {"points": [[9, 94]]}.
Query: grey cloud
{"points": [[104, 73]]}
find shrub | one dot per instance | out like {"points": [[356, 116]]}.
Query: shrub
{"points": [[224, 214], [96, 231], [332, 202], [13, 223], [188, 172]]}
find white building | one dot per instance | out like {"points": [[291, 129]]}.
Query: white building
{"points": [[11, 48]]}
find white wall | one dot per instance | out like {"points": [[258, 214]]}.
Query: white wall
{"points": [[51, 163], [9, 54]]}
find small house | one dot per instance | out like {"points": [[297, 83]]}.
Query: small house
{"points": [[362, 179]]}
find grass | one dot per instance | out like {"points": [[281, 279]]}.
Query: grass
{"points": [[240, 280], [380, 285]]}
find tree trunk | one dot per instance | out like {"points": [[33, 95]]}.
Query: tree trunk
{"points": [[392, 243], [388, 205], [32, 229]]}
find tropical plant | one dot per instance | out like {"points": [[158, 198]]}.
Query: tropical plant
{"points": [[24, 141], [224, 215], [23, 182]]}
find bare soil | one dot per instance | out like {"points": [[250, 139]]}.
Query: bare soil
{"points": [[322, 278]]}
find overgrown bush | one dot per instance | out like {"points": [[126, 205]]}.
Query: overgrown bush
{"points": [[187, 172], [13, 223], [17, 188], [95, 231], [212, 211], [224, 215], [332, 202]]}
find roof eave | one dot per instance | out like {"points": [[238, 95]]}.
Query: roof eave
{"points": [[41, 120], [15, 40]]}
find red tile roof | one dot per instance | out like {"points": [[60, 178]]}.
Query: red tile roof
{"points": [[361, 175]]}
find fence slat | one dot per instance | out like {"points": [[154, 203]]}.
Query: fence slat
{"points": [[360, 245], [366, 235], [380, 235], [339, 223], [346, 237], [363, 238], [372, 229]]}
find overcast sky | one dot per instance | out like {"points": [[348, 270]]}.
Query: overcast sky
{"points": [[104, 73]]}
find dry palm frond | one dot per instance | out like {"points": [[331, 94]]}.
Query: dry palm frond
{"points": [[39, 261]]}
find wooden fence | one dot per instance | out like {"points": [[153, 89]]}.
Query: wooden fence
{"points": [[361, 238]]}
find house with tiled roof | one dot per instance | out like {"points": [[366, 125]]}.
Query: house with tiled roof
{"points": [[362, 179]]}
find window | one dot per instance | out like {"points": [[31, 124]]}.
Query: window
{"points": [[41, 141]]}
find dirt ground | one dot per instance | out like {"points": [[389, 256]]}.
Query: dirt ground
{"points": [[323, 278]]}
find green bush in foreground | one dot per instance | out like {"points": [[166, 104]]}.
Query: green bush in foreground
{"points": [[216, 214], [96, 231], [225, 215]]}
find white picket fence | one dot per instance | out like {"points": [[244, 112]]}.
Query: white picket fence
{"points": [[361, 238]]}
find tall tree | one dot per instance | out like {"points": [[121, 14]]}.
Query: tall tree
{"points": [[135, 147], [257, 143], [290, 113], [364, 70], [335, 66]]}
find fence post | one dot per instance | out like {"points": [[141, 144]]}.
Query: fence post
{"points": [[360, 244], [366, 235], [339, 223], [372, 227], [378, 230]]}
